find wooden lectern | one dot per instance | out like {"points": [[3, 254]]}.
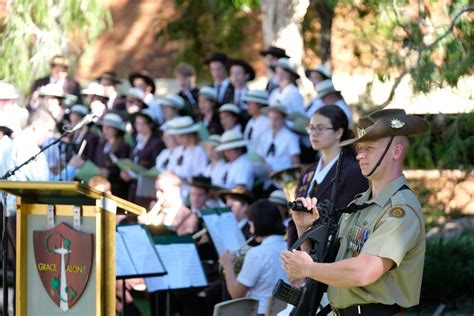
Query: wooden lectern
{"points": [[65, 247]]}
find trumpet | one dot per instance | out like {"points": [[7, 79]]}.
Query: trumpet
{"points": [[288, 180]]}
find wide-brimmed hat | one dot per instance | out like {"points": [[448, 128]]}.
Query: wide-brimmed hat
{"points": [[202, 182], [221, 57], [174, 101], [136, 93], [278, 197], [257, 96], [182, 125], [209, 92], [274, 51], [80, 109], [231, 139], [8, 91], [145, 75], [95, 88], [109, 75], [213, 139], [276, 107], [299, 125], [386, 123], [325, 87], [325, 71], [13, 125], [229, 107], [59, 60], [113, 120], [148, 113], [288, 65], [239, 192], [245, 65], [52, 90]]}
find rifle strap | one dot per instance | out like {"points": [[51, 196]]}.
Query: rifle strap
{"points": [[325, 310]]}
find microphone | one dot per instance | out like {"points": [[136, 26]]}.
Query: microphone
{"points": [[89, 118]]}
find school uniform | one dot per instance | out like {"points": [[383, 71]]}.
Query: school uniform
{"points": [[290, 97]]}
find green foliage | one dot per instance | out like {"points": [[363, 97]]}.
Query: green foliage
{"points": [[36, 30], [406, 39], [204, 26], [448, 145], [449, 268]]}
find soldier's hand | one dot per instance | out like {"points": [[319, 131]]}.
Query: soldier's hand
{"points": [[304, 219], [296, 263]]}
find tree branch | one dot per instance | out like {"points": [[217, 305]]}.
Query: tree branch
{"points": [[394, 87]]}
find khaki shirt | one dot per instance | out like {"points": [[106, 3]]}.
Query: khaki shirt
{"points": [[392, 227]]}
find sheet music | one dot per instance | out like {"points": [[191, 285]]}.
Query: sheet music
{"points": [[123, 263], [224, 231], [183, 265], [141, 249]]}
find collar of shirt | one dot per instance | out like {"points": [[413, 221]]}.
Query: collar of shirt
{"points": [[242, 223], [273, 239], [320, 173], [388, 191]]}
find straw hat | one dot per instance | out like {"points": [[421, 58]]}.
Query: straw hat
{"points": [[80, 109], [174, 101], [288, 65], [8, 91], [209, 92], [274, 51], [143, 74], [276, 107], [52, 90], [148, 113], [213, 140], [95, 88], [136, 93], [325, 71], [325, 87], [59, 60], [231, 139], [278, 197], [182, 125], [386, 123], [257, 96], [113, 120], [229, 107]]}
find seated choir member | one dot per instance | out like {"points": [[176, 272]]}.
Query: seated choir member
{"points": [[216, 168], [261, 267], [148, 145], [239, 169]]}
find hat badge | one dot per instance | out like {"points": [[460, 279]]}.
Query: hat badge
{"points": [[360, 132], [396, 124]]}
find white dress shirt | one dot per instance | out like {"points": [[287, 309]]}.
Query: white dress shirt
{"points": [[315, 105], [286, 144], [258, 126], [290, 97], [261, 270], [221, 89], [342, 104], [239, 172], [216, 173], [191, 161]]}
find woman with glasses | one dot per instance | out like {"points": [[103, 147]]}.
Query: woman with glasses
{"points": [[327, 128]]}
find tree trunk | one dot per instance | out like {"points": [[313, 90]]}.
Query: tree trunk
{"points": [[325, 12], [282, 25]]}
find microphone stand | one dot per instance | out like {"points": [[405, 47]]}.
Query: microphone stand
{"points": [[7, 175]]}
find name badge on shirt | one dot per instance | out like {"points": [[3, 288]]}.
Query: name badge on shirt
{"points": [[357, 238]]}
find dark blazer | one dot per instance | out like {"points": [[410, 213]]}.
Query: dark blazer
{"points": [[71, 86], [228, 95], [352, 182], [92, 141], [215, 126], [146, 158], [102, 160]]}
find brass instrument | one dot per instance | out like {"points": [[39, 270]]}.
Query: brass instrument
{"points": [[288, 180], [239, 256]]}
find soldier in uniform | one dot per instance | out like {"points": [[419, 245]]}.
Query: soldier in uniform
{"points": [[379, 265]]}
